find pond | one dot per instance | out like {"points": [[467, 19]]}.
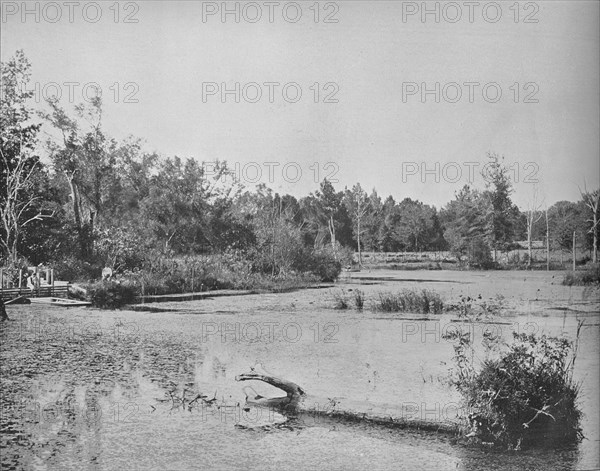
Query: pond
{"points": [[100, 390]]}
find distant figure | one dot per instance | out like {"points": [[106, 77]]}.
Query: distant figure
{"points": [[31, 281], [107, 273]]}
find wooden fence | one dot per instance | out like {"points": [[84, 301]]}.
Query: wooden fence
{"points": [[46, 287], [59, 290]]}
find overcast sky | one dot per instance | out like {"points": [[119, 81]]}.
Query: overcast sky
{"points": [[169, 68]]}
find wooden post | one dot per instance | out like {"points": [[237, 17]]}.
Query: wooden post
{"points": [[1, 279], [52, 281], [20, 279]]}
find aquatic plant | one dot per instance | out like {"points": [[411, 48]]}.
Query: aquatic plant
{"points": [[341, 300], [476, 308], [525, 395], [359, 299], [421, 301]]}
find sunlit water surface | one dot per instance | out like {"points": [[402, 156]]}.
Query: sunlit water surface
{"points": [[98, 390]]}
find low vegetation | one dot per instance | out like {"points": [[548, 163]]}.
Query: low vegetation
{"points": [[522, 393], [421, 301], [589, 275], [232, 270], [476, 308], [359, 300], [110, 294], [340, 300]]}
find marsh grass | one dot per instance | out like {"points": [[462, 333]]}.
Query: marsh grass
{"points": [[359, 300], [340, 300], [421, 301]]}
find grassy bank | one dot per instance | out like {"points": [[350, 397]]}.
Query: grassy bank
{"points": [[588, 276], [163, 276]]}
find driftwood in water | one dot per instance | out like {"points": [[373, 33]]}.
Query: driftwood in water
{"points": [[297, 401], [292, 401]]}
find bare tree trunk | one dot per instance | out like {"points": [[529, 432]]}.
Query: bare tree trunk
{"points": [[592, 201], [75, 197], [331, 227], [547, 242], [77, 214], [595, 235], [595, 252], [574, 254], [358, 242], [297, 401], [528, 249]]}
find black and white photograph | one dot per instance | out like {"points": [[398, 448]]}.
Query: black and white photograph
{"points": [[299, 235]]}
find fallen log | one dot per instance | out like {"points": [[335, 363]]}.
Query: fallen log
{"points": [[291, 401], [297, 402]]}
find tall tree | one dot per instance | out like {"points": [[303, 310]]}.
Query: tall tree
{"points": [[592, 203], [532, 215], [87, 159], [325, 216], [357, 203], [565, 219], [179, 206], [278, 245], [416, 224], [386, 235], [465, 224], [22, 174], [373, 222], [502, 213]]}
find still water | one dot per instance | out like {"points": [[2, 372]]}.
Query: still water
{"points": [[99, 390]]}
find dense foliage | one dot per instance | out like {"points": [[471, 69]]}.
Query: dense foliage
{"points": [[82, 201]]}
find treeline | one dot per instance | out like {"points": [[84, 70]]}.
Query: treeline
{"points": [[95, 202]]}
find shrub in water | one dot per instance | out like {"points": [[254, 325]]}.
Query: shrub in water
{"points": [[525, 395], [110, 294], [324, 263]]}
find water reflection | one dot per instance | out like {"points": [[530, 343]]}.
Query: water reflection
{"points": [[92, 396]]}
